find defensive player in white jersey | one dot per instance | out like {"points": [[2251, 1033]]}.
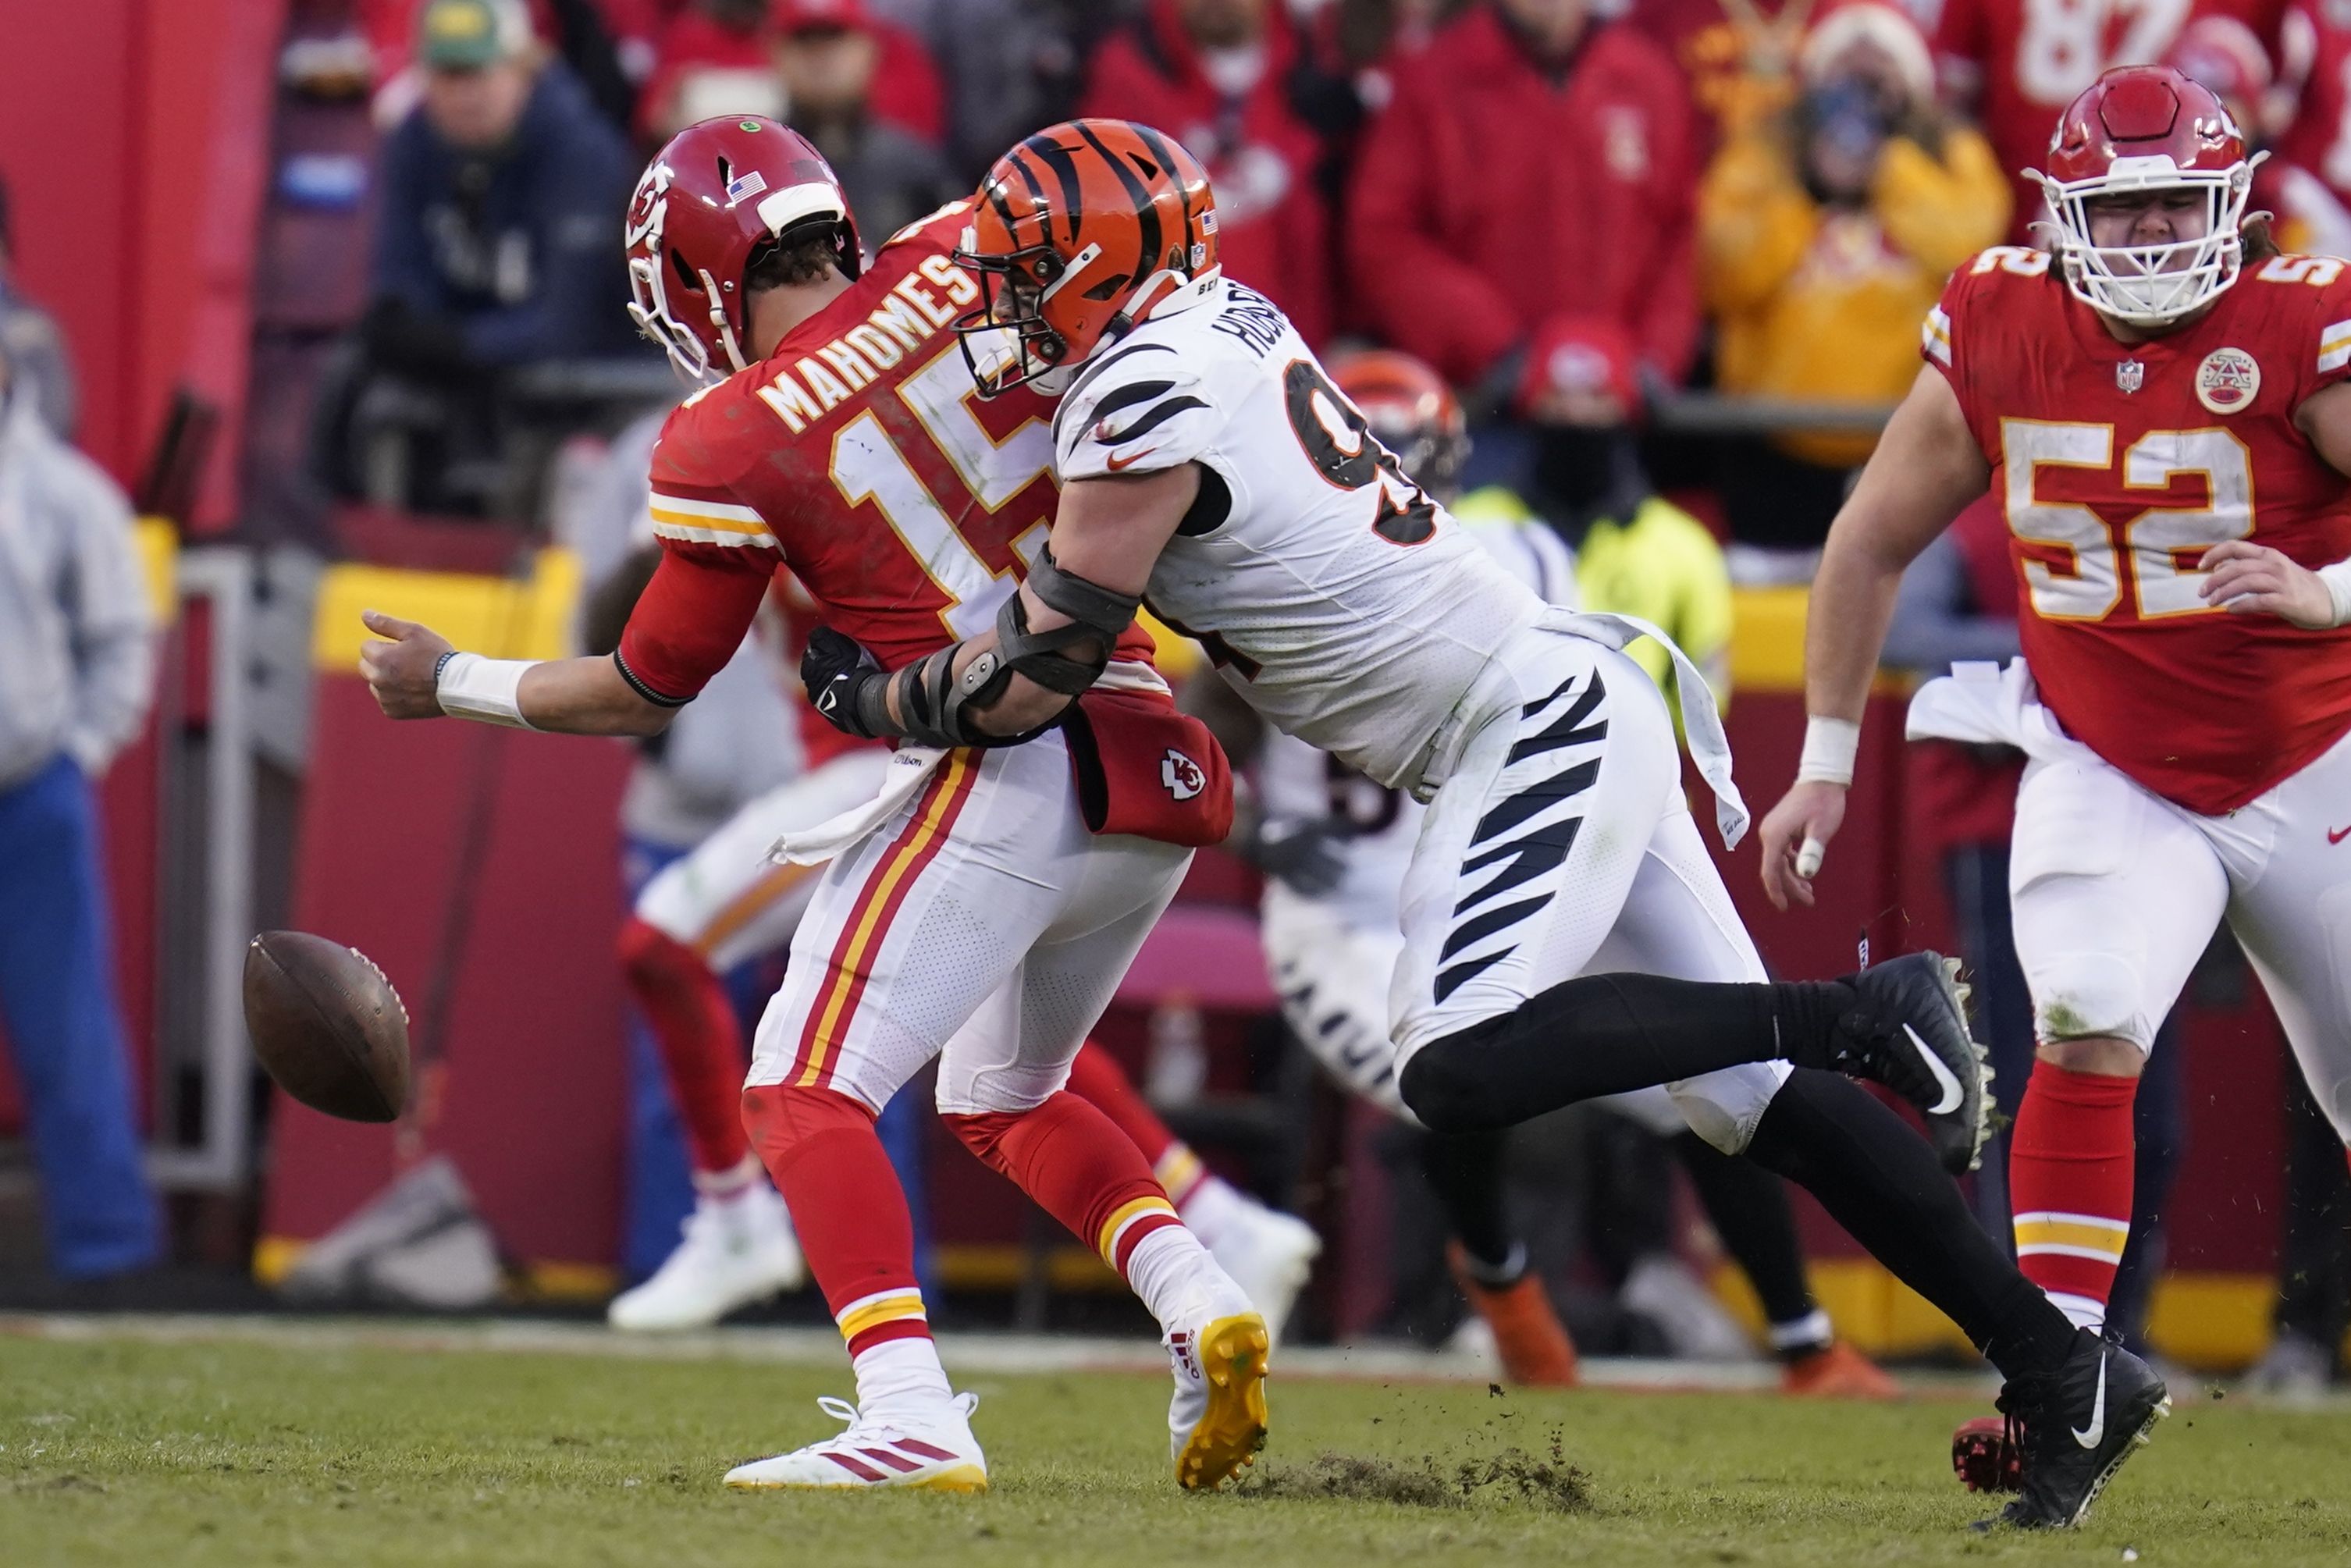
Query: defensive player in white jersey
{"points": [[1567, 936], [1332, 940]]}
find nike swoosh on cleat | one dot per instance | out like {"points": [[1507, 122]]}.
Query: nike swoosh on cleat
{"points": [[2098, 1428], [1945, 1083]]}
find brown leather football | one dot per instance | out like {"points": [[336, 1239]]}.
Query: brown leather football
{"points": [[327, 1025]]}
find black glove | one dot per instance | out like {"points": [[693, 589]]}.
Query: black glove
{"points": [[841, 679], [1300, 854]]}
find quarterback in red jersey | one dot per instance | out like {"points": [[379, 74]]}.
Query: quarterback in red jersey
{"points": [[980, 909], [2160, 409]]}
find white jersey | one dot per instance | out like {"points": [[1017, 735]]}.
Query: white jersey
{"points": [[1345, 605], [1297, 782]]}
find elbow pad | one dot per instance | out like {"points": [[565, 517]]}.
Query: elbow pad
{"points": [[1098, 615]]}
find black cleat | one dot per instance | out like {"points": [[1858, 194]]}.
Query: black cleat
{"points": [[1908, 1031], [2075, 1426]]}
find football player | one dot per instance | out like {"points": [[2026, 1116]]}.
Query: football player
{"points": [[724, 903], [2158, 405], [1334, 943], [981, 908], [1566, 934]]}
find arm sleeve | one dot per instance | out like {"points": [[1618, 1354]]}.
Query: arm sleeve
{"points": [[1933, 627], [1755, 224], [1421, 295], [1940, 212], [1141, 412], [718, 557], [113, 623]]}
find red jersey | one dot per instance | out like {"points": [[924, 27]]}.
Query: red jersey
{"points": [[2117, 465], [859, 456], [2315, 65]]}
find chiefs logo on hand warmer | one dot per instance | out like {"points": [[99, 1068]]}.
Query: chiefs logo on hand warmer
{"points": [[1182, 776]]}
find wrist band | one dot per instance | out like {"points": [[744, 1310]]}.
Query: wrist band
{"points": [[470, 687], [2337, 579], [1830, 747]]}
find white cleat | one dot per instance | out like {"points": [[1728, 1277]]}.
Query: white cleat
{"points": [[935, 1455], [1268, 1255], [1216, 1420], [738, 1250]]}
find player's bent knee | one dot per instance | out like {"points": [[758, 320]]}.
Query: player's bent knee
{"points": [[781, 1118], [1447, 1089], [2093, 998]]}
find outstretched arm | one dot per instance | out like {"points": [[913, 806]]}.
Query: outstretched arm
{"points": [[1925, 467], [416, 674]]}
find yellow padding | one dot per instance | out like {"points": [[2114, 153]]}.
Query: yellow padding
{"points": [[1766, 644], [545, 1279], [158, 556], [527, 618]]}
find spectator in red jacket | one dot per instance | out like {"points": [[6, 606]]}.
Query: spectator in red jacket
{"points": [[714, 58], [1528, 189], [1520, 217], [1229, 80]]}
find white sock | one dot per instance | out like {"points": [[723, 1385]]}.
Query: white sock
{"points": [[2082, 1311], [902, 1379], [1214, 1208], [1178, 1281], [1809, 1333], [720, 1185]]}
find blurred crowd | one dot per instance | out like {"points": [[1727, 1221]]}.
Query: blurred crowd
{"points": [[1582, 212]]}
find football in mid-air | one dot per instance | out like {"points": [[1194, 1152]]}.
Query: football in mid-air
{"points": [[327, 1025]]}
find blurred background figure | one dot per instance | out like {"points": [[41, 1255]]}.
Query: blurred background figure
{"points": [[1008, 66], [718, 57], [2013, 64], [1521, 219], [1232, 81], [603, 42], [1825, 233], [1958, 603], [828, 55], [76, 671], [2227, 57], [2313, 1312], [503, 190], [39, 367]]}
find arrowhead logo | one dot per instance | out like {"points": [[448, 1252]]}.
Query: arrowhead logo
{"points": [[1945, 1084], [2089, 1437]]}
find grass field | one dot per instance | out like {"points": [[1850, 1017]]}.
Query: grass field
{"points": [[345, 1452]]}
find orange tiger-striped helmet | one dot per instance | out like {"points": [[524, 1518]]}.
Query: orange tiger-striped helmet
{"points": [[1079, 233], [1411, 410]]}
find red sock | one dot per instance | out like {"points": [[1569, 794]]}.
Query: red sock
{"points": [[2069, 1186], [701, 1044], [1079, 1167], [847, 1208], [1096, 1078]]}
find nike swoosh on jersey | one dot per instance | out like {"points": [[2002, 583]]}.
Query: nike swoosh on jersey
{"points": [[2336, 835], [2097, 1430], [1118, 461], [1945, 1083]]}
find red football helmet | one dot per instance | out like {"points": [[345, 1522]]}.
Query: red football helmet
{"points": [[2137, 130], [1412, 411], [721, 191]]}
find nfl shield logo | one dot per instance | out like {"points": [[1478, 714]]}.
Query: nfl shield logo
{"points": [[2130, 375]]}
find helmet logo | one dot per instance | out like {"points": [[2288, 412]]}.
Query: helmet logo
{"points": [[2228, 381]]}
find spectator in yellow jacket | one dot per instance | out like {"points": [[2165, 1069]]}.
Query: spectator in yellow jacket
{"points": [[1825, 233]]}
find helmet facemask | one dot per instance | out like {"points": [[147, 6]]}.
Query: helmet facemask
{"points": [[649, 302], [2151, 286], [1006, 342]]}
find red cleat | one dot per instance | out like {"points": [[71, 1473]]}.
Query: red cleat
{"points": [[1837, 1372], [1533, 1342], [1986, 1454]]}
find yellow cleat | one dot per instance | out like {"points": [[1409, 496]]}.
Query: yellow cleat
{"points": [[1218, 1417]]}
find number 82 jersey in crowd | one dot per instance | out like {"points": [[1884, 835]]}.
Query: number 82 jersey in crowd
{"points": [[2116, 466], [1341, 602]]}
